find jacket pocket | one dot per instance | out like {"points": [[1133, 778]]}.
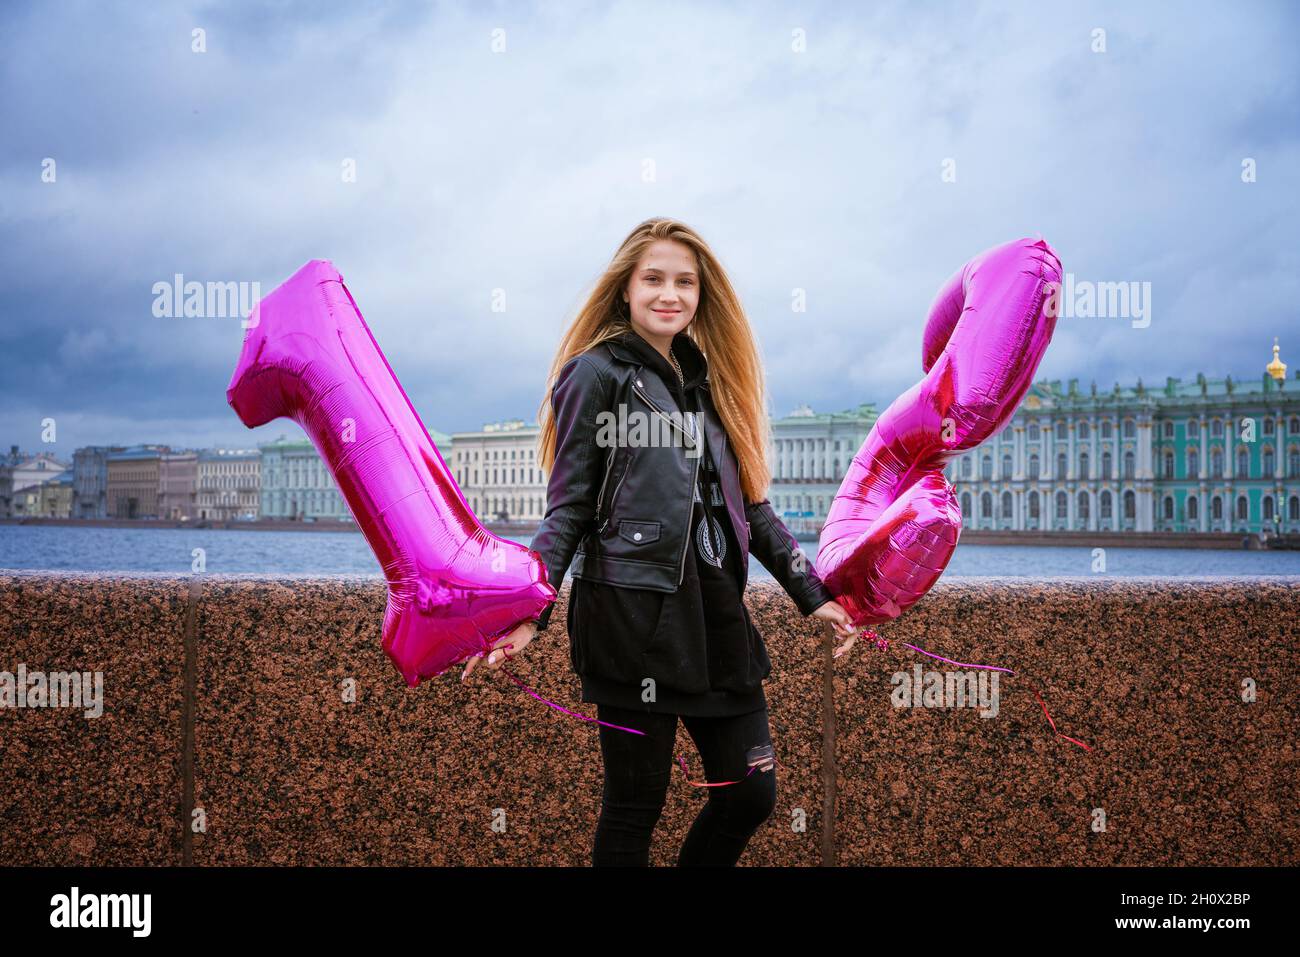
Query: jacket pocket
{"points": [[638, 533]]}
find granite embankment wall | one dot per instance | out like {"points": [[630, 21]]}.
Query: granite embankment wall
{"points": [[226, 738]]}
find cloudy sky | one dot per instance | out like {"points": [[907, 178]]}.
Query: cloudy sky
{"points": [[505, 147]]}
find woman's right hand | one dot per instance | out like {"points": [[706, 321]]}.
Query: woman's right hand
{"points": [[508, 645]]}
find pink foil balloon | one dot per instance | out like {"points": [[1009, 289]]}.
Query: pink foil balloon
{"points": [[895, 521], [452, 586]]}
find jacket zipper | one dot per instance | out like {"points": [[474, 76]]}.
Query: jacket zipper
{"points": [[690, 509], [600, 496], [660, 412], [690, 498], [613, 498]]}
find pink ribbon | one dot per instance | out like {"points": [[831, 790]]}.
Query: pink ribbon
{"points": [[680, 759], [883, 643]]}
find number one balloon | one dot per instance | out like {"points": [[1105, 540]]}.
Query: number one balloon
{"points": [[452, 586], [895, 520]]}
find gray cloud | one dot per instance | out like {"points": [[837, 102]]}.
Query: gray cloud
{"points": [[522, 170]]}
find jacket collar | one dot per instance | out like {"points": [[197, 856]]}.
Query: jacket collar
{"points": [[631, 348]]}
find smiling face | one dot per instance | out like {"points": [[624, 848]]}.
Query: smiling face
{"points": [[662, 292]]}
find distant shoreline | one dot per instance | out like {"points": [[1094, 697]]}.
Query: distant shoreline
{"points": [[1232, 541]]}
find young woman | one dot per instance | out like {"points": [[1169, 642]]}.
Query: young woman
{"points": [[655, 441]]}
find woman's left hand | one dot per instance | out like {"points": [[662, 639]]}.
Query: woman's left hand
{"points": [[833, 612]]}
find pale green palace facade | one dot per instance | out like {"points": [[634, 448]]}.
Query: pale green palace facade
{"points": [[1209, 455]]}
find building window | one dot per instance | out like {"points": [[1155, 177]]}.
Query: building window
{"points": [[986, 505], [1268, 425], [1192, 428], [1033, 464], [1062, 505], [1216, 463], [1293, 463], [1169, 430], [1060, 431], [1243, 463], [1060, 465], [1033, 505], [1083, 465], [1193, 508], [1216, 428], [1216, 509], [1269, 462], [1293, 427], [986, 467], [1083, 506], [1033, 432], [1006, 466], [1243, 508], [1105, 429], [1129, 465], [1193, 463], [1006, 505], [1105, 465], [1293, 509], [965, 466], [1169, 508], [1084, 433], [1268, 508], [1169, 464], [965, 505], [1130, 506], [1130, 430], [1105, 505]]}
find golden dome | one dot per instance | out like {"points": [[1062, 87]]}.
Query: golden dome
{"points": [[1276, 368]]}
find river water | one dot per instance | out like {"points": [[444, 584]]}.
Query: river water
{"points": [[73, 548]]}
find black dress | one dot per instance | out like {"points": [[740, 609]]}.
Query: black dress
{"points": [[707, 610]]}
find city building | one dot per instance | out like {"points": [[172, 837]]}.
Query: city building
{"points": [[296, 484], [19, 472], [496, 469], [178, 485], [809, 457], [90, 480], [1212, 455], [54, 497], [134, 476], [229, 484]]}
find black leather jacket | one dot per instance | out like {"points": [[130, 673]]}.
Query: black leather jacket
{"points": [[619, 509]]}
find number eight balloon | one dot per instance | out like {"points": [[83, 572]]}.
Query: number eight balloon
{"points": [[454, 587], [895, 521]]}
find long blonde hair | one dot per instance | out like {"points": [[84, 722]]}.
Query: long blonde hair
{"points": [[719, 328]]}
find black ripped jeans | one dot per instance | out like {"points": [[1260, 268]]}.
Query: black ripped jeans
{"points": [[638, 769]]}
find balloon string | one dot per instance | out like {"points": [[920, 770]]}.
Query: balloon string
{"points": [[870, 634], [1053, 723], [561, 707], [717, 784], [680, 759]]}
